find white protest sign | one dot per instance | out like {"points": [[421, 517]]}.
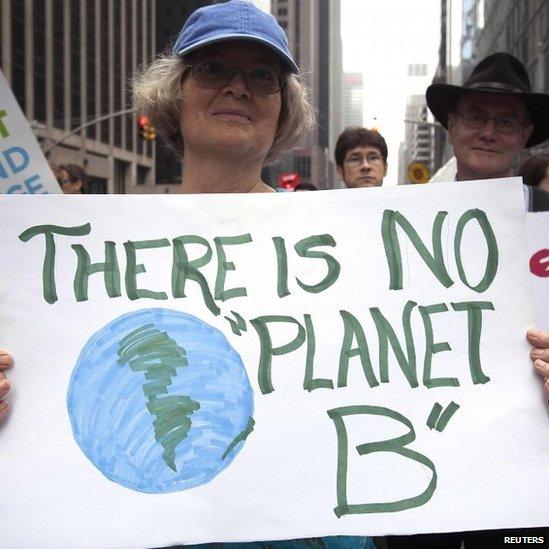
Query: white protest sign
{"points": [[268, 366], [537, 225], [23, 167]]}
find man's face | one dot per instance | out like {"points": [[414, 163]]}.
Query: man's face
{"points": [[487, 131], [363, 167]]}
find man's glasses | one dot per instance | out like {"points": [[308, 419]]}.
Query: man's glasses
{"points": [[216, 75], [356, 160], [477, 120]]}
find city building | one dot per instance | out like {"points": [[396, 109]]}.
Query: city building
{"points": [[353, 99], [314, 35], [418, 145], [471, 18], [520, 28], [68, 65]]}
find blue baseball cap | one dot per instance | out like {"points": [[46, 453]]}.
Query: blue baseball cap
{"points": [[233, 20]]}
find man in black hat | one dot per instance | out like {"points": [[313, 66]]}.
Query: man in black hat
{"points": [[492, 118]]}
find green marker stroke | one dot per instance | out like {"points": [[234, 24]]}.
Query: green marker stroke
{"points": [[154, 353]]}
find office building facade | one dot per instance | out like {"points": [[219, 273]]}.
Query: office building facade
{"points": [[520, 28], [419, 139], [69, 63], [353, 99]]}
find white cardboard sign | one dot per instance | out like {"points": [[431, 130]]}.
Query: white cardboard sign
{"points": [[23, 167], [268, 366]]}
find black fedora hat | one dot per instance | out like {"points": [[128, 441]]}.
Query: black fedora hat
{"points": [[499, 73]]}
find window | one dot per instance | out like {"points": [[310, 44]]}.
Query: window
{"points": [[90, 66], [546, 69], [142, 175], [130, 119], [105, 68], [39, 46], [58, 65], [18, 51], [117, 69], [139, 58], [76, 114]]}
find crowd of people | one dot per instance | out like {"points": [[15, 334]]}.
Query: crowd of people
{"points": [[229, 98], [490, 120]]}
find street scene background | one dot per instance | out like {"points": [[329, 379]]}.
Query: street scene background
{"points": [[69, 63]]}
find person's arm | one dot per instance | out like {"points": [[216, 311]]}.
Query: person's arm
{"points": [[5, 362], [540, 354]]}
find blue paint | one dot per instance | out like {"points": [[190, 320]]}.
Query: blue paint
{"points": [[110, 420], [31, 185], [17, 159]]}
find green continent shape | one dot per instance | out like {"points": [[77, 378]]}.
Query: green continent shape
{"points": [[153, 353], [172, 422]]}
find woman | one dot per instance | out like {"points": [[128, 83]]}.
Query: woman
{"points": [[230, 101]]}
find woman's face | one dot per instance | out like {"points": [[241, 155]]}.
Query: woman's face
{"points": [[231, 120]]}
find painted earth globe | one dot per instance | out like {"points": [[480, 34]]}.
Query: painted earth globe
{"points": [[159, 401]]}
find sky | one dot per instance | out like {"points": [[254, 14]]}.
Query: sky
{"points": [[380, 38]]}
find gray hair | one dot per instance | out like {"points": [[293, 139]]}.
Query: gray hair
{"points": [[157, 94]]}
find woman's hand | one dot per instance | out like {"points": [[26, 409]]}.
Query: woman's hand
{"points": [[5, 362], [540, 354]]}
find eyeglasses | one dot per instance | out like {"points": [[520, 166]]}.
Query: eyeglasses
{"points": [[216, 75], [356, 160], [477, 120]]}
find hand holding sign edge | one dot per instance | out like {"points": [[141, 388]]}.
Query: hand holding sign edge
{"points": [[6, 361], [540, 354]]}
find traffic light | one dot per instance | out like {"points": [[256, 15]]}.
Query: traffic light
{"points": [[146, 129]]}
